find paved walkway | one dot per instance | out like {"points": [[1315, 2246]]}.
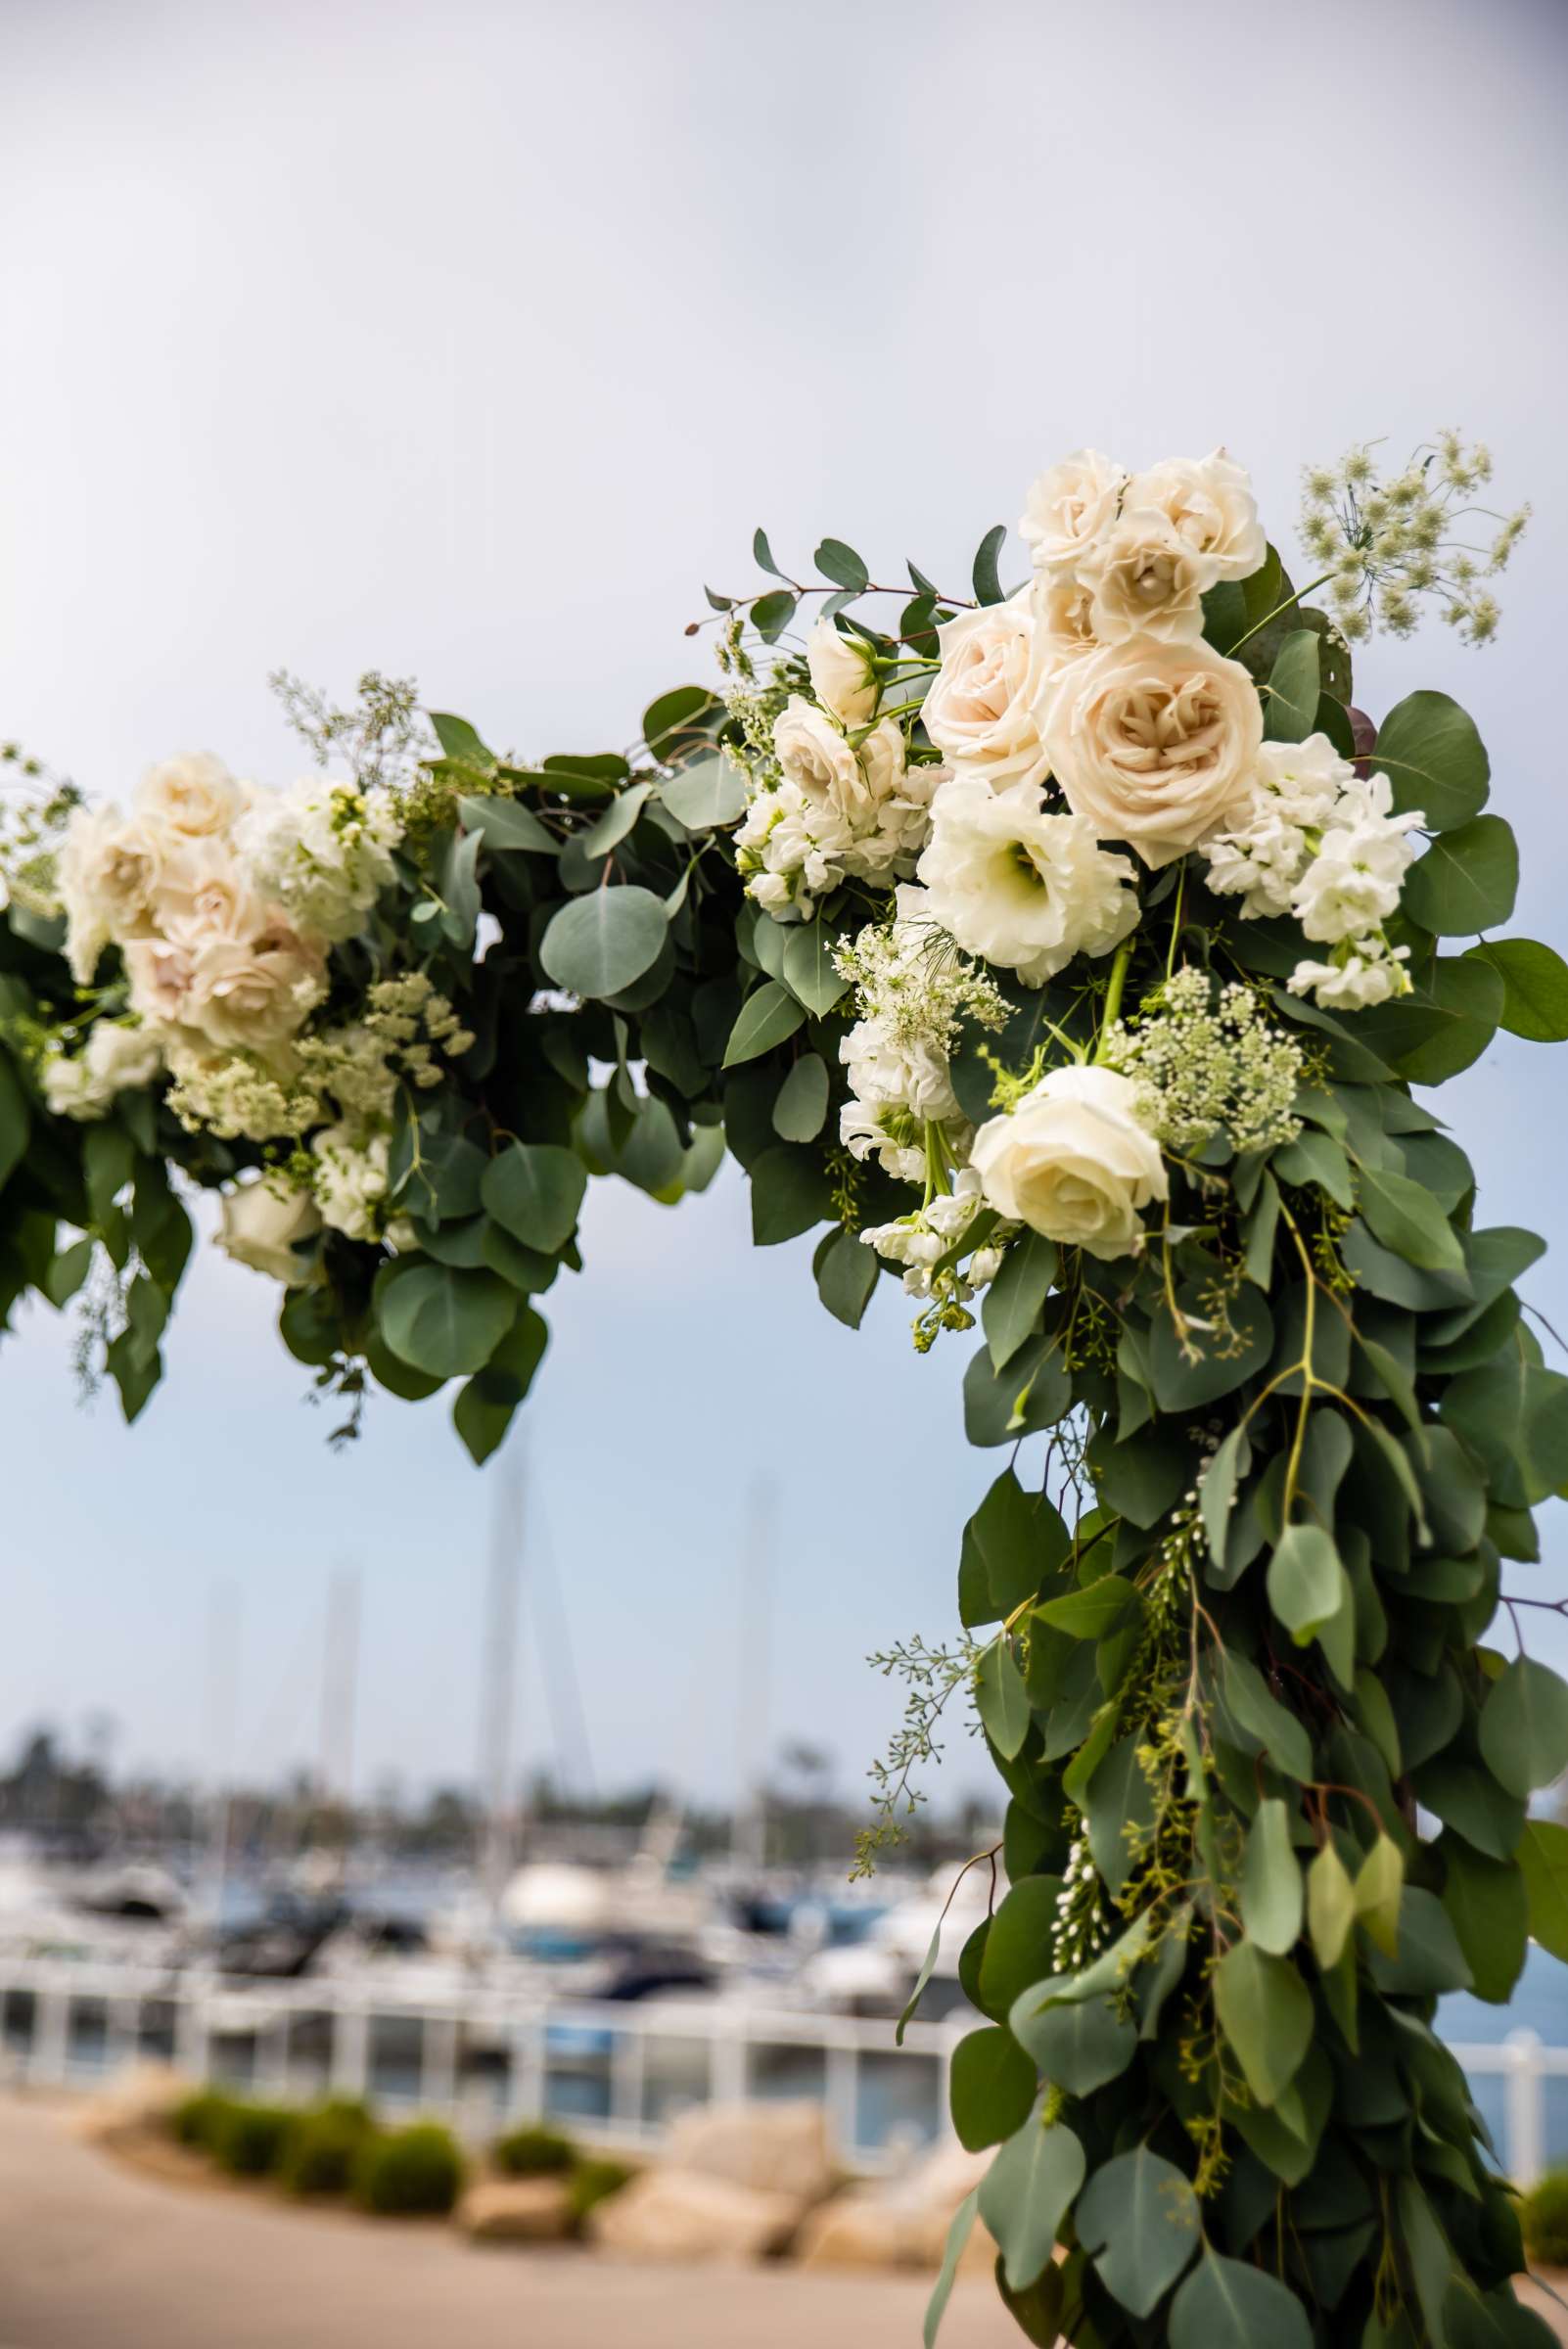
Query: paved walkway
{"points": [[95, 2256]]}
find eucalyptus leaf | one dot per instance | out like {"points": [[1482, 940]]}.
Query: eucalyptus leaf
{"points": [[603, 941]]}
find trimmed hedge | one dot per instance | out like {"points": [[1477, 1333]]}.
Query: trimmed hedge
{"points": [[1544, 2217], [593, 2182], [410, 2172], [252, 2139], [325, 2145], [198, 2120], [533, 2152]]}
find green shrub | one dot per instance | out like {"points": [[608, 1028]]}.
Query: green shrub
{"points": [[534, 2152], [1544, 2217], [198, 2120], [252, 2140], [409, 2171], [594, 2181], [323, 2150]]}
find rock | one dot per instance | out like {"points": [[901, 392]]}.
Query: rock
{"points": [[672, 2213], [516, 2210], [774, 2148], [135, 2100], [901, 2221]]}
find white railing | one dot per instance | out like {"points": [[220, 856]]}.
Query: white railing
{"points": [[479, 2056], [485, 2057]]}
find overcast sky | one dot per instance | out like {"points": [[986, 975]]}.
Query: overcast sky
{"points": [[468, 342]]}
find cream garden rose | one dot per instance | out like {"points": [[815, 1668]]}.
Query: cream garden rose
{"points": [[1020, 887], [190, 796], [1069, 507], [841, 676], [1143, 579], [254, 991], [1207, 505], [1154, 743], [108, 874], [1074, 1161], [979, 709], [263, 1221]]}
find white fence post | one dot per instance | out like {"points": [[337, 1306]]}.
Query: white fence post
{"points": [[1525, 2103]]}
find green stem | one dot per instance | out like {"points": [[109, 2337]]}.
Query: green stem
{"points": [[1259, 625], [1113, 996]]}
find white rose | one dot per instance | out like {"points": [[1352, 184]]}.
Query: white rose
{"points": [[160, 974], [1144, 580], [841, 674], [204, 892], [189, 796], [261, 1222], [1069, 507], [350, 1181], [1019, 887], [816, 757], [1074, 1161], [1208, 504], [252, 992], [978, 711], [1154, 743], [107, 874]]}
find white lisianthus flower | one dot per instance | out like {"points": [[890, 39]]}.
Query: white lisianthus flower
{"points": [[1020, 888], [189, 798], [841, 676], [1075, 1162], [252, 992], [263, 1221], [1154, 743], [119, 1056], [1371, 972], [1208, 506], [322, 852], [1069, 507], [1144, 579], [350, 1181], [107, 874], [978, 711]]}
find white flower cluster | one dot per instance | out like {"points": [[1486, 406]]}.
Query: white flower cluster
{"points": [[322, 851], [1323, 844], [222, 900], [921, 1240], [1386, 542], [845, 806], [1206, 1063], [912, 988]]}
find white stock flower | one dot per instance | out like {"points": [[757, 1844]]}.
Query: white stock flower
{"points": [[900, 1086], [1021, 888], [1353, 883], [349, 1180], [1314, 840], [1068, 508], [189, 796], [978, 711], [119, 1056], [322, 851], [108, 872], [1074, 1161], [261, 1220], [1154, 743], [1371, 972], [1208, 506], [841, 676]]}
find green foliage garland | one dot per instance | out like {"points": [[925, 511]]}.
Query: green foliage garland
{"points": [[1268, 1787]]}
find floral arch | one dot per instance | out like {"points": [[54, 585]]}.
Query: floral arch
{"points": [[1071, 951]]}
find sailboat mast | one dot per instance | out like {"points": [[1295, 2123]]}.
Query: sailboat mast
{"points": [[749, 1836], [498, 1668]]}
